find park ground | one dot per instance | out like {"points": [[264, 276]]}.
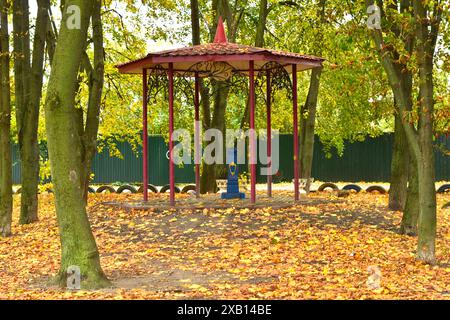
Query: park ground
{"points": [[320, 249]]}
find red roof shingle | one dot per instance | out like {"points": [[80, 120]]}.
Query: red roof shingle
{"points": [[236, 55]]}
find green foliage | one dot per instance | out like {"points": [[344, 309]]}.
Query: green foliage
{"points": [[355, 100]]}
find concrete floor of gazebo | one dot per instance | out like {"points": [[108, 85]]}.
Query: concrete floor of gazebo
{"points": [[160, 202]]}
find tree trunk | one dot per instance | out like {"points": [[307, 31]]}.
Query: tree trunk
{"points": [[220, 90], [65, 150], [259, 42], [420, 141], [262, 21], [427, 216], [399, 168], [29, 80], [6, 202], [207, 184], [427, 34], [308, 111], [411, 211], [211, 172], [96, 81], [307, 125], [427, 188]]}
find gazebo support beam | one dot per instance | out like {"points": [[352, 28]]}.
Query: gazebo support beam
{"points": [[171, 128], [269, 133], [252, 132], [296, 139], [144, 134], [197, 146]]}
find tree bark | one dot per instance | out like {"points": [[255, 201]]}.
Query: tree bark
{"points": [[262, 21], [420, 141], [96, 81], [66, 155], [307, 126], [308, 111], [29, 81], [207, 184], [220, 89], [426, 45], [411, 212], [6, 203], [259, 42], [399, 168]]}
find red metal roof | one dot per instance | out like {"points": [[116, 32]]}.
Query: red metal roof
{"points": [[228, 49], [236, 55]]}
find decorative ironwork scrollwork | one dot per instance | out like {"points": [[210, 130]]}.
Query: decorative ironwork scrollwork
{"points": [[279, 79], [220, 71], [214, 72], [157, 82]]}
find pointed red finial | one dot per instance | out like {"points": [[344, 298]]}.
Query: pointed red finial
{"points": [[221, 36]]}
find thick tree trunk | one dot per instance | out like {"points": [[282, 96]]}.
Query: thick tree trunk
{"points": [[207, 184], [211, 172], [420, 141], [307, 125], [427, 189], [6, 202], [29, 80], [220, 90], [427, 216], [427, 34], [399, 168], [411, 211], [65, 149]]}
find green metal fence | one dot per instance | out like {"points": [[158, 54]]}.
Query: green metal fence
{"points": [[362, 161]]}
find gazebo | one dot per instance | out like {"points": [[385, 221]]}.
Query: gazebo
{"points": [[221, 60]]}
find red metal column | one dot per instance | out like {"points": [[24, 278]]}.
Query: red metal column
{"points": [[171, 126], [252, 133], [269, 133], [296, 153], [197, 156], [145, 134]]}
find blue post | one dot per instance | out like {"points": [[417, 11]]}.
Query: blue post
{"points": [[233, 177]]}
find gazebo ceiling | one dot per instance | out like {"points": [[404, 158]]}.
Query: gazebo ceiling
{"points": [[219, 56]]}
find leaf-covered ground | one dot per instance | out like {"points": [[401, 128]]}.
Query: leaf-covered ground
{"points": [[317, 251]]}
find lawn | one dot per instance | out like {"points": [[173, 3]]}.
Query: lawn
{"points": [[322, 249]]}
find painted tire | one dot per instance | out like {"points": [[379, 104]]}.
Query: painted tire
{"points": [[126, 188], [106, 188], [379, 189], [328, 185], [151, 188], [352, 187], [167, 188], [91, 190], [443, 189], [188, 188], [18, 191]]}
